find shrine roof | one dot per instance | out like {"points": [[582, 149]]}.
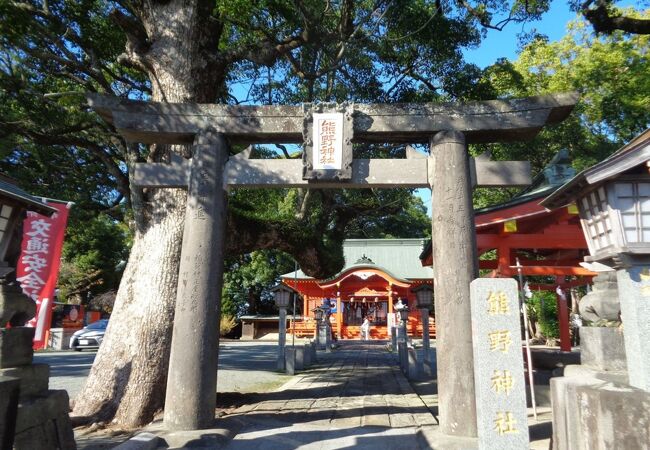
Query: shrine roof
{"points": [[525, 205], [631, 156], [557, 172], [397, 257], [28, 201]]}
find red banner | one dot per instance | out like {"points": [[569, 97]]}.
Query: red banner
{"points": [[38, 265]]}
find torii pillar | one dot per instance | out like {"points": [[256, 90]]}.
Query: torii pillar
{"points": [[449, 172], [191, 395], [454, 242]]}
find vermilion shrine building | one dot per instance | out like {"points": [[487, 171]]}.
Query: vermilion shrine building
{"points": [[377, 273], [546, 243]]}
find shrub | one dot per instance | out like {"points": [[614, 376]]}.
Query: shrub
{"points": [[226, 324], [543, 309]]}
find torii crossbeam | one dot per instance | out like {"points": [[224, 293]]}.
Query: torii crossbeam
{"points": [[448, 170]]}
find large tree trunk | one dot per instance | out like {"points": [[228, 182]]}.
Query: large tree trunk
{"points": [[128, 379], [176, 43]]}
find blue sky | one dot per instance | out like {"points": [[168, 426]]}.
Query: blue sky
{"points": [[503, 44]]}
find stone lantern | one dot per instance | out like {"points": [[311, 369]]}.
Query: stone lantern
{"points": [[613, 199], [318, 313], [323, 333], [424, 298], [282, 295], [402, 351], [403, 312]]}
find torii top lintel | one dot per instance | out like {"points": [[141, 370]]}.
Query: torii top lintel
{"points": [[481, 122]]}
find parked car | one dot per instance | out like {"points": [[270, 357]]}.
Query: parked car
{"points": [[90, 336]]}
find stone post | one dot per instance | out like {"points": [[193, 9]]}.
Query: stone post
{"points": [[282, 338], [328, 335], [290, 365], [192, 381], [413, 370], [322, 335], [314, 354], [325, 333], [426, 342], [499, 365], [307, 353], [455, 266], [300, 357], [634, 295], [402, 346]]}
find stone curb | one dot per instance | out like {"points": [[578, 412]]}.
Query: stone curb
{"points": [[141, 441], [210, 438]]}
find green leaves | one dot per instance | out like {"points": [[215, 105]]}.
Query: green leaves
{"points": [[543, 309], [611, 75], [94, 253]]}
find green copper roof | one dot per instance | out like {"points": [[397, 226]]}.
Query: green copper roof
{"points": [[400, 257]]}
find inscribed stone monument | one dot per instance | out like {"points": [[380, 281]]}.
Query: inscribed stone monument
{"points": [[634, 293], [498, 365]]}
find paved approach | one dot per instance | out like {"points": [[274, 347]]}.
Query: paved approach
{"points": [[355, 397]]}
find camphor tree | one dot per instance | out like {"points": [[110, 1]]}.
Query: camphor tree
{"points": [[607, 18], [609, 71], [199, 51]]}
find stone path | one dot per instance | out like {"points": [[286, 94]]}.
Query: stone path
{"points": [[354, 397]]}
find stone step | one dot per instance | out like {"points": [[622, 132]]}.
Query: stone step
{"points": [[34, 378], [43, 422]]}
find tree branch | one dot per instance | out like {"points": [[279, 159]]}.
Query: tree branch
{"points": [[52, 137], [134, 30], [483, 16], [606, 20]]}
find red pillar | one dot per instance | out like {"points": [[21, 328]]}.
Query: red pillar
{"points": [[504, 260]]}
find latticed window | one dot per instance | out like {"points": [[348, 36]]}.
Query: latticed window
{"points": [[633, 201], [597, 218], [5, 214]]}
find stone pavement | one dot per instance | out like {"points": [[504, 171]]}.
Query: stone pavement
{"points": [[355, 397]]}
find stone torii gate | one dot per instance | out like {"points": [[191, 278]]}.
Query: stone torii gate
{"points": [[451, 174]]}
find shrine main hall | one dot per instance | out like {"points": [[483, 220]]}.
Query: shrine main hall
{"points": [[377, 274]]}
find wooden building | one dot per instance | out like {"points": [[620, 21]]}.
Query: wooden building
{"points": [[546, 243], [377, 273]]}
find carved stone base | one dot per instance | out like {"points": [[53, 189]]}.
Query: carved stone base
{"points": [[8, 407], [602, 348], [596, 414], [16, 346], [43, 423]]}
